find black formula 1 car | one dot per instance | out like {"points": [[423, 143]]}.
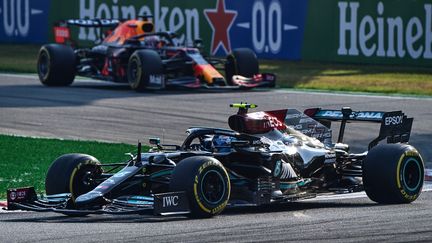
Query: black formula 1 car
{"points": [[267, 158], [131, 52]]}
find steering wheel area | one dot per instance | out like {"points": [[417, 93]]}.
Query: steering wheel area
{"points": [[209, 140], [198, 143]]}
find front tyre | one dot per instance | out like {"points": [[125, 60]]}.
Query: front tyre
{"points": [[206, 183], [72, 173], [56, 65], [145, 69], [393, 173], [241, 61]]}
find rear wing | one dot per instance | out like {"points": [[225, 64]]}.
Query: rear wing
{"points": [[62, 33], [395, 125], [91, 22]]}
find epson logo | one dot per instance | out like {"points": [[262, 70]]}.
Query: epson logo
{"points": [[393, 120], [170, 201]]}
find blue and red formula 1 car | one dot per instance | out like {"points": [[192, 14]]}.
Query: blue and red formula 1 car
{"points": [[131, 52]]}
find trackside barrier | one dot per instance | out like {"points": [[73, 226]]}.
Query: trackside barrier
{"points": [[273, 29], [374, 32], [354, 31], [24, 21]]}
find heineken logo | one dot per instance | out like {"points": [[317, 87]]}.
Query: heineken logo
{"points": [[165, 18], [384, 35], [264, 26]]}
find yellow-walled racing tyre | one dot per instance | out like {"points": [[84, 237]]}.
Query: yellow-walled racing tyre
{"points": [[393, 173], [56, 65], [72, 173], [206, 183]]}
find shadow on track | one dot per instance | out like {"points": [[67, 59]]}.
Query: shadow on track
{"points": [[83, 93], [133, 218]]}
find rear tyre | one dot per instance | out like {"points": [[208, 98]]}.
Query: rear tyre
{"points": [[206, 183], [56, 65], [241, 61], [142, 67], [393, 173], [72, 173]]}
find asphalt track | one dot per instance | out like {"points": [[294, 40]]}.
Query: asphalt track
{"points": [[345, 218], [104, 111]]}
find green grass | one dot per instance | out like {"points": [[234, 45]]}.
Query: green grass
{"points": [[300, 75], [25, 160], [18, 58], [344, 77]]}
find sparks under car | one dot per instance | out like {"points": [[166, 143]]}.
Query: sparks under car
{"points": [[131, 52], [268, 157]]}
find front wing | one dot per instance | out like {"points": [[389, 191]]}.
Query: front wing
{"points": [[156, 204], [265, 80], [171, 203]]}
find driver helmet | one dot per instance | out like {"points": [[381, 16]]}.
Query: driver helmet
{"points": [[222, 143], [152, 41]]}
